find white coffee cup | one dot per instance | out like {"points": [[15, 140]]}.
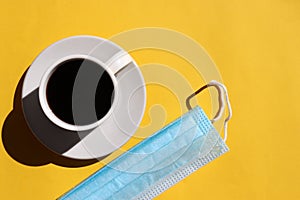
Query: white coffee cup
{"points": [[43, 88], [101, 136]]}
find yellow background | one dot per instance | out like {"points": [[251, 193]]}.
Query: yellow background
{"points": [[255, 45]]}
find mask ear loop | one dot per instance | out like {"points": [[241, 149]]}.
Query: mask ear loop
{"points": [[222, 91]]}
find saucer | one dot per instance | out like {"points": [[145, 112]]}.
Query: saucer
{"points": [[101, 140]]}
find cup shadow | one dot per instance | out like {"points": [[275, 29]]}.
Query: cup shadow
{"points": [[21, 144]]}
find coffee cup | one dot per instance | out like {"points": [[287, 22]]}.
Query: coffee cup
{"points": [[71, 93]]}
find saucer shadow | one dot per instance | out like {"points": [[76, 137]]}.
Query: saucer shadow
{"points": [[21, 144]]}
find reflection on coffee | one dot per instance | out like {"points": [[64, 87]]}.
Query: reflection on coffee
{"points": [[80, 91]]}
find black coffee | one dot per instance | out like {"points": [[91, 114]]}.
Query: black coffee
{"points": [[80, 92]]}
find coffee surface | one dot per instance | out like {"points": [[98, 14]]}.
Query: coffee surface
{"points": [[80, 92]]}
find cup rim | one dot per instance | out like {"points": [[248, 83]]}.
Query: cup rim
{"points": [[43, 96]]}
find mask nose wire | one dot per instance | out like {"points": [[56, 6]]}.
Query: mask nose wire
{"points": [[222, 91]]}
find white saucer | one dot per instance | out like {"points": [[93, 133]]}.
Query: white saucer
{"points": [[115, 129]]}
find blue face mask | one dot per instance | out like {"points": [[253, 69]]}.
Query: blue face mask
{"points": [[160, 161]]}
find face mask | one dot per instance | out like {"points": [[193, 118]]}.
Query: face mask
{"points": [[162, 160]]}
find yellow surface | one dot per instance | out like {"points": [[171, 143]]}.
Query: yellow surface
{"points": [[255, 45]]}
